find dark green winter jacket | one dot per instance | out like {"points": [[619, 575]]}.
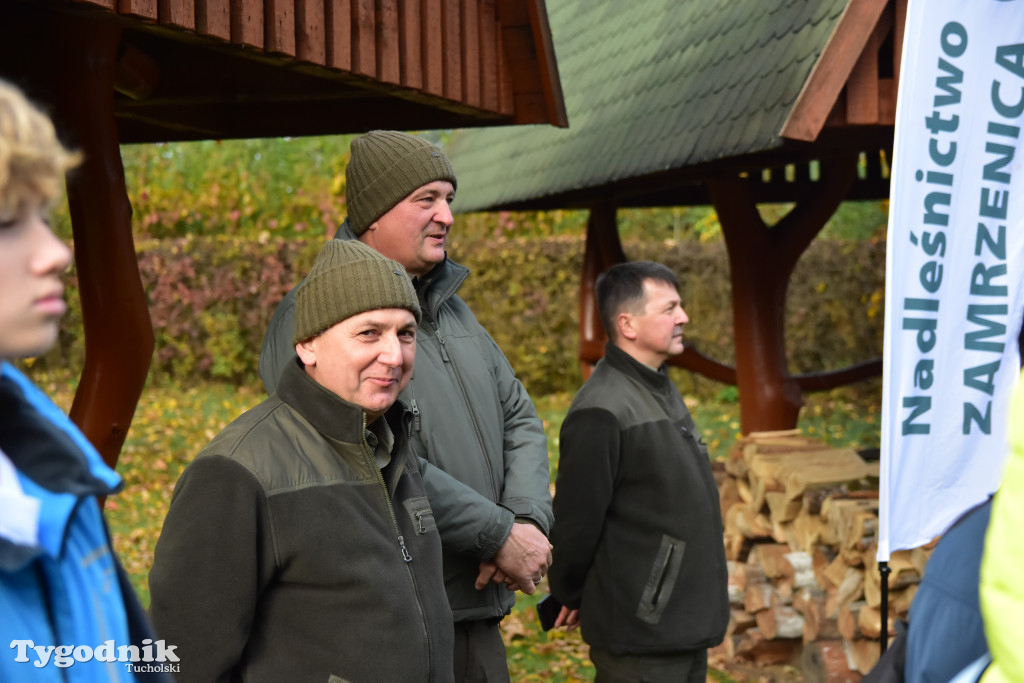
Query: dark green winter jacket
{"points": [[638, 526], [288, 555]]}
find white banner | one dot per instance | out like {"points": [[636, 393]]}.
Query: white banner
{"points": [[954, 267]]}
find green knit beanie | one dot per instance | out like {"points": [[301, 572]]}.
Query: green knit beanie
{"points": [[349, 278], [385, 167]]}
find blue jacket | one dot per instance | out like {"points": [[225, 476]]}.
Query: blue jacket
{"points": [[68, 588], [946, 632]]}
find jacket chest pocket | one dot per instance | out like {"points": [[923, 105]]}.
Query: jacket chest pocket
{"points": [[661, 580], [421, 515]]}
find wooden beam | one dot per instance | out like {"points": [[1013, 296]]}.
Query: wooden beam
{"points": [[389, 69], [177, 13], [452, 45], [338, 38], [310, 31], [863, 97], [506, 95], [118, 333], [143, 9], [547, 65], [247, 23], [213, 18], [832, 70], [364, 36], [105, 4], [279, 23], [410, 48], [602, 251], [470, 21], [433, 48], [488, 56]]}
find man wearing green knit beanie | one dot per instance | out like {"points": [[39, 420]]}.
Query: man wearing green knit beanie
{"points": [[473, 422], [301, 538]]}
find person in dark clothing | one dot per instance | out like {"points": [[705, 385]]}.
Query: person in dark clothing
{"points": [[300, 544], [66, 606], [946, 631], [639, 560]]}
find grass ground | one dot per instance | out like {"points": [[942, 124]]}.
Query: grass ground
{"points": [[172, 423]]}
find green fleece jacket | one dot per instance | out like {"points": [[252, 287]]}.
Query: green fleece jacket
{"points": [[288, 555], [474, 423], [638, 527]]}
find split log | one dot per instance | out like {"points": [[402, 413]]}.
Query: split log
{"points": [[755, 648], [743, 487], [736, 465], [821, 556], [781, 508], [835, 572], [808, 529], [803, 569], [801, 472], [740, 621], [728, 495], [780, 621], [848, 619], [761, 596], [741, 518], [869, 621], [737, 581], [862, 654], [825, 661], [771, 558]]}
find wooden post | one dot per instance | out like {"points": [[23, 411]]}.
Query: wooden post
{"points": [[118, 332], [761, 260], [603, 250]]}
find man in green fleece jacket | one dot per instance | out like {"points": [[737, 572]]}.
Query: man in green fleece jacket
{"points": [[300, 544], [639, 559]]}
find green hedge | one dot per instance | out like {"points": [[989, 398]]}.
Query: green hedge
{"points": [[211, 300]]}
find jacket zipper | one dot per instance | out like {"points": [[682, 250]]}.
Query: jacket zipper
{"points": [[368, 452], [406, 557], [429, 322]]}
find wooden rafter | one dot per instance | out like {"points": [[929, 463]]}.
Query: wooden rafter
{"points": [[832, 72]]}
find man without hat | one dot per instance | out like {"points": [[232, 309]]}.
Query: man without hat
{"points": [[639, 557], [300, 545], [472, 418]]}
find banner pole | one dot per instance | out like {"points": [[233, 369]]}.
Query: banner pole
{"points": [[884, 571]]}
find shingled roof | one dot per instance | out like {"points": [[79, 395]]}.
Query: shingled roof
{"points": [[652, 87]]}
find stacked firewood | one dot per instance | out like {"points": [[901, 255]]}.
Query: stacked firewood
{"points": [[801, 532]]}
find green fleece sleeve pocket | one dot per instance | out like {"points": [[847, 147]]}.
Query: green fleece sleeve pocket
{"points": [[421, 515], [662, 580]]}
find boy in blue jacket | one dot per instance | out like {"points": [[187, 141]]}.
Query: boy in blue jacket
{"points": [[67, 608]]}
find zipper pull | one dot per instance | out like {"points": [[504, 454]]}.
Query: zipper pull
{"points": [[444, 352], [405, 551], [415, 415]]}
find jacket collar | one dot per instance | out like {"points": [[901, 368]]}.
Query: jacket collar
{"points": [[434, 288], [331, 415], [56, 464], [656, 381]]}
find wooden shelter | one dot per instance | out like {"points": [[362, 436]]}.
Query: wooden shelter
{"points": [[128, 71], [730, 104]]}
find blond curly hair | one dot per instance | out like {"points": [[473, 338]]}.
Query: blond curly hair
{"points": [[32, 160]]}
